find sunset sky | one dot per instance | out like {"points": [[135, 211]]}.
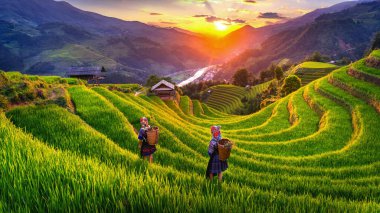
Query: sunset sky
{"points": [[213, 17]]}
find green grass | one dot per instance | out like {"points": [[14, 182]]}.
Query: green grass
{"points": [[358, 88], [47, 79], [310, 71], [198, 110], [186, 105], [376, 53], [315, 150], [57, 79], [103, 116], [317, 65], [66, 131], [227, 98], [362, 67], [130, 87]]}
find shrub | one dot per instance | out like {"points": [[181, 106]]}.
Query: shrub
{"points": [[3, 79], [41, 93], [62, 81], [267, 101], [279, 73], [154, 79], [61, 101], [291, 84], [317, 57], [4, 103], [240, 78]]}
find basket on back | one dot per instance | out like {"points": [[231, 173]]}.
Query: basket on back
{"points": [[152, 135], [224, 148]]}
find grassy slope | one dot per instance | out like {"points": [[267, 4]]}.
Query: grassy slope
{"points": [[227, 98], [315, 150], [316, 65], [72, 55], [376, 53], [310, 71]]}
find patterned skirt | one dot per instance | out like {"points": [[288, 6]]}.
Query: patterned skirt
{"points": [[147, 149], [215, 165]]}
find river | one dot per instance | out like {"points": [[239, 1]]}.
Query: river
{"points": [[201, 72]]}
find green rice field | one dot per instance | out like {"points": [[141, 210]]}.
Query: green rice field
{"points": [[316, 150]]}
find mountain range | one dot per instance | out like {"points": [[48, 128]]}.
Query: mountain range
{"points": [[47, 37], [346, 33]]}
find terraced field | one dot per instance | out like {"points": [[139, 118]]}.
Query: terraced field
{"points": [[310, 71], [316, 150], [227, 98]]}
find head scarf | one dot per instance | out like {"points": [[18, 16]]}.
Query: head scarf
{"points": [[144, 121], [215, 131]]}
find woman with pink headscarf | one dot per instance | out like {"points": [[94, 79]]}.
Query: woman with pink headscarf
{"points": [[145, 149], [215, 166]]}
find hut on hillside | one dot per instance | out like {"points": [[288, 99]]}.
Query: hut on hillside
{"points": [[164, 90], [86, 73]]}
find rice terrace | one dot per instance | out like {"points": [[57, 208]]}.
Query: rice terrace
{"points": [[105, 129]]}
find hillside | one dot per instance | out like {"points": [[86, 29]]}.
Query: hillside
{"points": [[132, 50], [249, 37], [346, 33], [314, 150], [228, 98], [129, 49], [310, 71]]}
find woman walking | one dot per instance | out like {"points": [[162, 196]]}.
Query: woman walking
{"points": [[215, 166], [146, 150]]}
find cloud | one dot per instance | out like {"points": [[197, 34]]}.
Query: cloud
{"points": [[200, 16], [168, 22], [270, 15], [155, 14], [212, 19], [240, 21], [249, 1]]}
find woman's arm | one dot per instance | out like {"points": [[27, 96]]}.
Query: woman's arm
{"points": [[211, 148], [141, 137]]}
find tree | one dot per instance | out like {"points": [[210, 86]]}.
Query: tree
{"points": [[103, 69], [241, 78], [266, 75], [344, 61], [376, 42], [278, 73], [317, 57], [291, 84], [154, 79]]}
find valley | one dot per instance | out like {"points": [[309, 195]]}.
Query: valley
{"points": [[89, 92]]}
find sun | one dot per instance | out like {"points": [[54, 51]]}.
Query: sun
{"points": [[220, 25]]}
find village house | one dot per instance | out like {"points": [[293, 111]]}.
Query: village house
{"points": [[86, 73], [164, 90]]}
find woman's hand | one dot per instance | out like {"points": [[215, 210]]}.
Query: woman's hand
{"points": [[140, 144]]}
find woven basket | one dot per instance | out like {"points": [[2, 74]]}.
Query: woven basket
{"points": [[152, 135], [224, 152]]}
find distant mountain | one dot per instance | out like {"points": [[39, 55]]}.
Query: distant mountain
{"points": [[47, 37], [249, 37], [240, 40], [342, 34]]}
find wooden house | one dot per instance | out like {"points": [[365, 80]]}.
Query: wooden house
{"points": [[164, 90], [86, 73]]}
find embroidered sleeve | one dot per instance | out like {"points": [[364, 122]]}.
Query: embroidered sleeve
{"points": [[141, 134], [211, 147]]}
